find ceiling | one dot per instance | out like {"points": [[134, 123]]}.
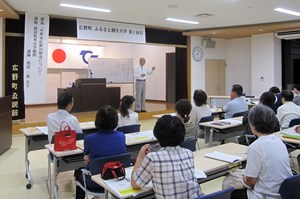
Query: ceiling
{"points": [[236, 14]]}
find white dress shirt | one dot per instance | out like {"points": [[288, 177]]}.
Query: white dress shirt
{"points": [[287, 112], [141, 70], [54, 121]]}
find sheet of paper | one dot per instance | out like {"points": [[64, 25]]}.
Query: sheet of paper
{"points": [[224, 157], [44, 129], [123, 187], [291, 132], [199, 174], [232, 121]]}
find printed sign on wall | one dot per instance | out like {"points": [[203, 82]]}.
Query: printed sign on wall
{"points": [[110, 31], [35, 57]]}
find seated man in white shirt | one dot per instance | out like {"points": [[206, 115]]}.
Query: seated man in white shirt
{"points": [[289, 110], [65, 103], [237, 104]]}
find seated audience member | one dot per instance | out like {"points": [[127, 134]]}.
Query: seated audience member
{"points": [[183, 108], [267, 99], [201, 109], [297, 129], [171, 169], [278, 100], [267, 158], [65, 104], [126, 115], [237, 104], [296, 99], [105, 142], [288, 110]]}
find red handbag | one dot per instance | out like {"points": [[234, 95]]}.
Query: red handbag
{"points": [[65, 139]]}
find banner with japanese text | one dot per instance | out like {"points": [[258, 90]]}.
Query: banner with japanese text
{"points": [[110, 31], [35, 57]]}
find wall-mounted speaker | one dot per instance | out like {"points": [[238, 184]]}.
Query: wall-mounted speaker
{"points": [[208, 43]]}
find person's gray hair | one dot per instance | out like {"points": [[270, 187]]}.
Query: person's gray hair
{"points": [[262, 118]]}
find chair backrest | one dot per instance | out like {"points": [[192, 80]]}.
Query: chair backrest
{"points": [[206, 119], [294, 122], [130, 128], [96, 164], [239, 114], [189, 144], [223, 194], [290, 187]]}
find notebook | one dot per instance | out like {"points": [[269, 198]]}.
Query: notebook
{"points": [[297, 137], [224, 157]]}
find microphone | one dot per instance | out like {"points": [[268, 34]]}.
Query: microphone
{"points": [[91, 74]]}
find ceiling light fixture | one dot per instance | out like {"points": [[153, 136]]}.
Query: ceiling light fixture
{"points": [[182, 21], [84, 7], [287, 11]]}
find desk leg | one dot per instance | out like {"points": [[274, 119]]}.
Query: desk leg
{"points": [[48, 181], [27, 175], [211, 136], [55, 187]]}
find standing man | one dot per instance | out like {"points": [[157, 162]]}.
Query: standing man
{"points": [[140, 72], [237, 104]]}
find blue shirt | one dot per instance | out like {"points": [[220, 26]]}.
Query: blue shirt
{"points": [[101, 144], [235, 106]]}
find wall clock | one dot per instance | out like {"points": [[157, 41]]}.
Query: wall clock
{"points": [[197, 53]]}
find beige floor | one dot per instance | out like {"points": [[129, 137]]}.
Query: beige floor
{"points": [[13, 181]]}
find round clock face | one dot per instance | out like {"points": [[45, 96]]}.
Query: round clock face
{"points": [[197, 53]]}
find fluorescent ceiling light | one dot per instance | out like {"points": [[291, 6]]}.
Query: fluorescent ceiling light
{"points": [[287, 11], [84, 7], [182, 21]]}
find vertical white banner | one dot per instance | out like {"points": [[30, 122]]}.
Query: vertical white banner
{"points": [[35, 57]]}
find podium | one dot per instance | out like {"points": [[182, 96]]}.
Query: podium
{"points": [[91, 94], [5, 124]]}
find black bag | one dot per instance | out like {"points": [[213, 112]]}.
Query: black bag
{"points": [[113, 170]]}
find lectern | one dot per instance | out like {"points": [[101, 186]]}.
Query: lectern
{"points": [[91, 94]]}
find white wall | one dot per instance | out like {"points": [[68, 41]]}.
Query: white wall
{"points": [[154, 54], [239, 64], [265, 61], [198, 68]]}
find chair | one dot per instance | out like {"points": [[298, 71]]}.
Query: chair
{"points": [[130, 128], [239, 114], [206, 119], [290, 187], [294, 122], [223, 194], [96, 166], [189, 144]]}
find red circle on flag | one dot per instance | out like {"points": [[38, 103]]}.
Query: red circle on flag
{"points": [[59, 56]]}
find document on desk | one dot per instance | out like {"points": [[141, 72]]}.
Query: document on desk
{"points": [[140, 135], [199, 174], [44, 129], [290, 132], [123, 187], [223, 157]]}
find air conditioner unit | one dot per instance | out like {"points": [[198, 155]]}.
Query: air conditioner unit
{"points": [[288, 34]]}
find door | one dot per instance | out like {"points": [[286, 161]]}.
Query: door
{"points": [[215, 77]]}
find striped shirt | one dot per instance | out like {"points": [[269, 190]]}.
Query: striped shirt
{"points": [[172, 172], [190, 131]]}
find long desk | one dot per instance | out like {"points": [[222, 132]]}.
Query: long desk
{"points": [[212, 168], [227, 127], [73, 159], [35, 139], [279, 134], [214, 111]]}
